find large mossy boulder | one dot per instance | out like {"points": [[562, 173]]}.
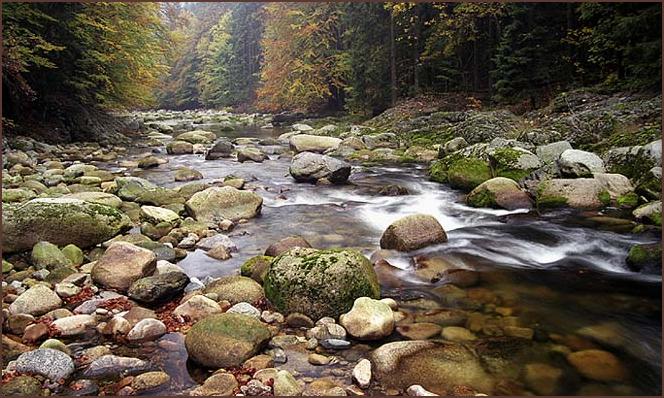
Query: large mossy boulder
{"points": [[646, 258], [226, 203], [436, 366], [130, 188], [464, 173], [236, 289], [584, 193], [60, 221], [319, 283], [225, 340], [515, 163], [501, 193]]}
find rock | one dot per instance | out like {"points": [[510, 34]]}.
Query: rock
{"points": [[36, 301], [550, 153], [457, 334], [512, 162], [197, 308], [319, 283], [187, 174], [74, 254], [582, 192], [369, 319], [156, 215], [543, 379], [383, 140], [197, 137], [318, 359], [245, 309], [650, 212], [158, 288], [285, 385], [224, 340], [149, 162], [16, 323], [22, 386], [147, 329], [219, 252], [123, 264], [14, 195], [286, 244], [576, 163], [74, 325], [297, 320], [178, 147], [56, 344], [130, 188], [216, 240], [117, 326], [222, 148], [220, 384], [311, 167], [453, 145], [313, 143], [150, 381], [61, 222], [419, 330], [413, 232], [598, 365], [464, 173], [499, 192], [256, 268], [53, 364], [362, 373], [258, 362], [236, 289], [217, 204], [417, 390], [253, 154], [436, 366], [47, 255], [110, 366], [645, 258]]}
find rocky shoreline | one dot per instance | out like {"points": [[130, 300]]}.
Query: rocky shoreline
{"points": [[91, 253]]}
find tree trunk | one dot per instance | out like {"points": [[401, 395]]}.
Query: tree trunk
{"points": [[393, 62]]}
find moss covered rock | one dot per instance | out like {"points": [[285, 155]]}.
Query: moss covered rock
{"points": [[413, 232], [216, 204], [61, 222], [47, 255], [22, 386], [319, 283], [225, 340], [256, 268], [645, 258], [515, 163], [499, 192], [236, 289]]}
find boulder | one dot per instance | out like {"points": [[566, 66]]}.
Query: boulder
{"points": [[149, 162], [158, 288], [149, 381], [286, 244], [583, 192], [464, 173], [123, 264], [645, 258], [197, 137], [187, 174], [217, 385], [285, 385], [650, 212], [130, 188], [225, 340], [53, 364], [221, 149], [36, 301], [47, 255], [369, 319], [598, 365], [254, 154], [437, 366], [550, 153], [156, 215], [499, 192], [413, 232], [311, 167], [236, 289], [197, 308], [216, 204], [313, 143], [59, 221], [179, 147], [576, 163], [256, 268], [319, 283]]}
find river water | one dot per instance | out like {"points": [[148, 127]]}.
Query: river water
{"points": [[555, 272]]}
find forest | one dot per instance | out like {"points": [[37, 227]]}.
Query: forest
{"points": [[358, 58]]}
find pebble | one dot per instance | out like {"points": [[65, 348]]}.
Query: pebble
{"points": [[149, 381], [272, 317], [245, 309], [74, 325], [417, 390], [457, 333], [67, 289], [362, 373], [318, 359], [297, 320], [147, 329], [110, 366], [286, 385], [335, 344], [278, 355]]}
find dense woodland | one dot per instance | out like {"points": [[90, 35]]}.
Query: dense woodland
{"points": [[61, 59]]}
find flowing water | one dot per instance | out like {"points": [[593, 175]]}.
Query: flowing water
{"points": [[554, 271]]}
